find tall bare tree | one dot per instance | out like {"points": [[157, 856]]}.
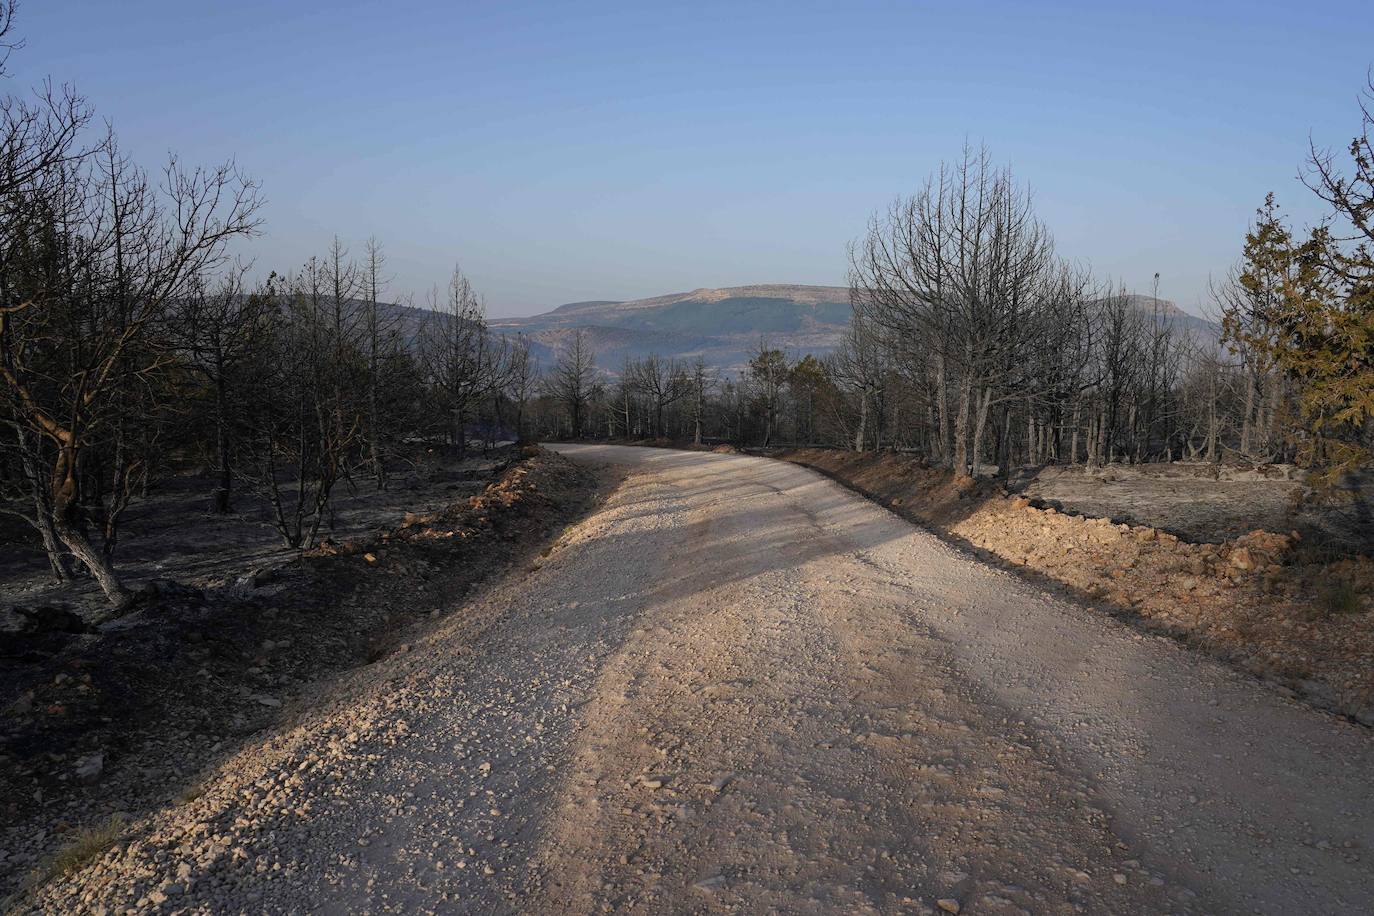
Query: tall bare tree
{"points": [[523, 381], [955, 275], [860, 363], [662, 383], [215, 330], [465, 361], [702, 382], [768, 370], [95, 255], [380, 344], [574, 376]]}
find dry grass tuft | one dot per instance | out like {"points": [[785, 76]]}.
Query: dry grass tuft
{"points": [[1339, 596], [86, 845], [190, 793]]}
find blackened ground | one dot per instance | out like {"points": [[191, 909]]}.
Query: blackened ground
{"points": [[160, 693], [171, 534]]}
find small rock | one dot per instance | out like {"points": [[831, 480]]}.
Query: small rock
{"points": [[1119, 878], [88, 769], [268, 701], [711, 884], [48, 619], [257, 578], [949, 904], [651, 782]]}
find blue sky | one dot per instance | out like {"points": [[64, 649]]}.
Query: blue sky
{"points": [[567, 151]]}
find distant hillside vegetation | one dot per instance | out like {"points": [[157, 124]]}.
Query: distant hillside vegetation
{"points": [[722, 326]]}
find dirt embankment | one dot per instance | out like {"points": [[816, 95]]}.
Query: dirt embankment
{"points": [[104, 724], [1258, 600]]}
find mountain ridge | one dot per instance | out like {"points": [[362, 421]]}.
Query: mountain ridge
{"points": [[720, 325], [795, 292], [723, 325]]}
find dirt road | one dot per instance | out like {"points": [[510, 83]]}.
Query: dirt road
{"points": [[740, 688]]}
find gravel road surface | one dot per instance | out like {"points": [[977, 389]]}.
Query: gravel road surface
{"points": [[738, 687]]}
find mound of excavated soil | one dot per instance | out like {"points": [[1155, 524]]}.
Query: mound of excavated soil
{"points": [[1259, 600]]}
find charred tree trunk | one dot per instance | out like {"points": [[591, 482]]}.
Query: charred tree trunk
{"points": [[980, 424], [942, 411], [66, 527], [221, 499], [1249, 410], [860, 436], [42, 510], [961, 426]]}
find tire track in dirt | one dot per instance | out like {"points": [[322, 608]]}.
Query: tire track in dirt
{"points": [[775, 737], [1152, 777]]}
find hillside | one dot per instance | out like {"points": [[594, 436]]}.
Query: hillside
{"points": [[724, 325], [720, 325], [1172, 315]]}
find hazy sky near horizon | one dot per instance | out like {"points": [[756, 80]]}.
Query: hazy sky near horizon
{"points": [[569, 151]]}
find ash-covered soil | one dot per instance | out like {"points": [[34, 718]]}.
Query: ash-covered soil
{"points": [[171, 534], [104, 723], [1204, 502]]}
